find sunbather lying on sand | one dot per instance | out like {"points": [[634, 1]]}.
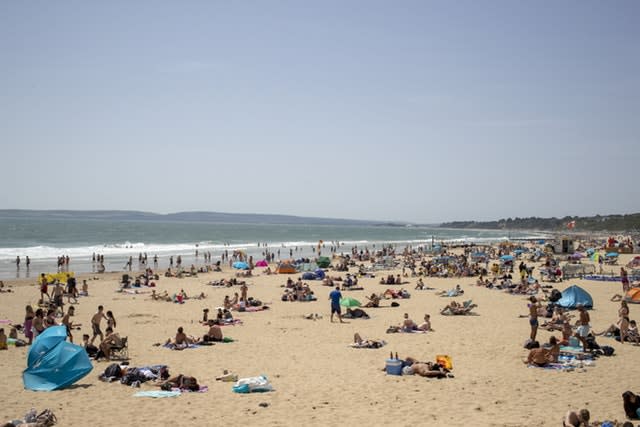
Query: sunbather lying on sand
{"points": [[360, 343], [355, 313], [454, 308], [457, 291], [182, 382]]}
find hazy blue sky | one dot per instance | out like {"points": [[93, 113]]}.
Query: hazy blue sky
{"points": [[420, 111]]}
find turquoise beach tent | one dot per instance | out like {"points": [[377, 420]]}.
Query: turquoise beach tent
{"points": [[574, 296], [239, 265], [53, 363]]}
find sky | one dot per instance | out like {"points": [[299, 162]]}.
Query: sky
{"points": [[420, 111]]}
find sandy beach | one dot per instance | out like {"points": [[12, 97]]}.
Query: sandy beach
{"points": [[320, 380]]}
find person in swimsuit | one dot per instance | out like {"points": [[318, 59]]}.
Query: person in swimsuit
{"points": [[623, 321], [533, 317], [95, 324]]}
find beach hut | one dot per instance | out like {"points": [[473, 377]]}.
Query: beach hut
{"points": [[633, 296], [574, 296], [563, 245]]}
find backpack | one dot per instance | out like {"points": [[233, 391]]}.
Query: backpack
{"points": [[555, 295], [113, 370], [607, 350]]}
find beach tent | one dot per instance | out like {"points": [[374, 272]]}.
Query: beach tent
{"points": [[574, 296], [239, 265], [319, 273], [286, 268], [633, 296], [635, 262], [262, 263], [323, 262], [308, 275], [53, 363], [60, 277]]}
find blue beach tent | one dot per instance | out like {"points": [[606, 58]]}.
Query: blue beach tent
{"points": [[307, 275], [319, 274], [574, 296], [53, 363], [239, 265]]}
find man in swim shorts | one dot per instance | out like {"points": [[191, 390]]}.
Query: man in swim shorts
{"points": [[95, 324], [335, 297]]}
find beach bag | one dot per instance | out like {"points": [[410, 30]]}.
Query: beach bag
{"points": [[253, 384], [46, 418], [113, 370], [395, 304], [607, 350], [530, 344]]}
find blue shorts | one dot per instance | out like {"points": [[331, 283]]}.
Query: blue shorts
{"points": [[533, 322], [335, 308]]}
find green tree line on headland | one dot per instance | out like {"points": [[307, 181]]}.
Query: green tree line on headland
{"points": [[629, 222]]}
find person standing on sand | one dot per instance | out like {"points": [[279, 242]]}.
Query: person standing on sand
{"points": [[583, 326], [533, 317], [335, 297], [95, 324]]}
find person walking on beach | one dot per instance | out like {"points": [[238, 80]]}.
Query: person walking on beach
{"points": [[335, 297], [28, 262], [18, 262], [95, 324], [44, 287]]}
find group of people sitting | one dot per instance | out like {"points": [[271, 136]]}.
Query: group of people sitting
{"points": [[390, 280], [178, 298], [408, 325], [182, 340]]}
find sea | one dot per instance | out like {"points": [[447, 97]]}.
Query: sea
{"points": [[44, 240]]}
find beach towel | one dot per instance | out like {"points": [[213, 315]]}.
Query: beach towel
{"points": [[158, 393]]}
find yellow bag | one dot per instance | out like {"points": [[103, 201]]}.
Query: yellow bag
{"points": [[445, 361]]}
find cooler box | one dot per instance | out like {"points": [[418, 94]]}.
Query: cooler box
{"points": [[394, 367]]}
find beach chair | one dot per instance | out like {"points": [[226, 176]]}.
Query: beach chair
{"points": [[120, 352]]}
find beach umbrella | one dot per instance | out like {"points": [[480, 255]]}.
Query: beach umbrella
{"points": [[239, 265], [262, 263], [506, 257], [323, 262], [576, 255], [612, 254], [349, 302]]}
